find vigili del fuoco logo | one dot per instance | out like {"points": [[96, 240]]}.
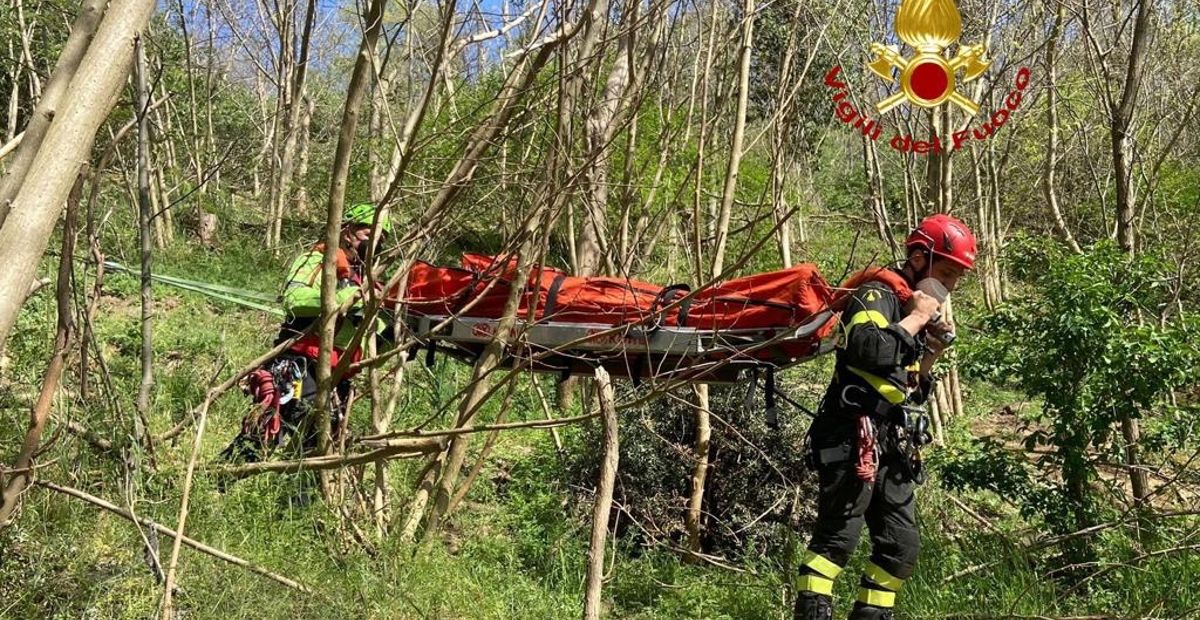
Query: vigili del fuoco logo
{"points": [[927, 78]]}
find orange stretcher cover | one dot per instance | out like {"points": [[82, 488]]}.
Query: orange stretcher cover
{"points": [[481, 285]]}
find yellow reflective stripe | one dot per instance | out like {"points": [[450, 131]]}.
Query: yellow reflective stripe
{"points": [[815, 583], [867, 316], [821, 564], [883, 578], [876, 598], [885, 388]]}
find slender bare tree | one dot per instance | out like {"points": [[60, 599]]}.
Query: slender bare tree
{"points": [[728, 192], [145, 216]]}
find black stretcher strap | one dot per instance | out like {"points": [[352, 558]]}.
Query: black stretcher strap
{"points": [[430, 349], [552, 295], [666, 297]]}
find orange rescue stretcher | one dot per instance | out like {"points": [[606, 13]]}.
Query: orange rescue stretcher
{"points": [[634, 329]]}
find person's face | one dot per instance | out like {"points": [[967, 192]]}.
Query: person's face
{"points": [[947, 272], [356, 236]]}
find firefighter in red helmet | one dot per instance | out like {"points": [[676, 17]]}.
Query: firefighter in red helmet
{"points": [[864, 441]]}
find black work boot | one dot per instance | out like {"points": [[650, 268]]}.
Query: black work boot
{"points": [[870, 612], [813, 606]]}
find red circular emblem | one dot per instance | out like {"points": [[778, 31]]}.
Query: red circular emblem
{"points": [[929, 81]]}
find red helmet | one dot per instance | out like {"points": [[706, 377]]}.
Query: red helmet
{"points": [[946, 237]]}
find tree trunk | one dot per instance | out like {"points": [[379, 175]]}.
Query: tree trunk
{"points": [[982, 232], [292, 127], [604, 493], [207, 230], [305, 143], [481, 138], [145, 215], [875, 198], [39, 197], [268, 138], [461, 493], [1048, 169], [810, 195], [779, 202], [283, 20], [196, 154], [940, 196], [997, 233], [780, 160], [446, 466], [375, 130], [601, 125], [424, 488], [333, 219], [14, 98], [48, 107], [946, 165], [210, 142], [15, 486], [26, 33], [163, 217], [703, 419], [739, 131], [488, 361], [1121, 130], [703, 413], [1138, 477], [593, 246], [1123, 160], [935, 415]]}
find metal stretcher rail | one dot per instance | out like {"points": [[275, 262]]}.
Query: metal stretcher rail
{"points": [[634, 351]]}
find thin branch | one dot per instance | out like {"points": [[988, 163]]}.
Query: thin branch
{"points": [[394, 449], [195, 544]]}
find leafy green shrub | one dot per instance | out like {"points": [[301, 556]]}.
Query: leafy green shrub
{"points": [[986, 465], [1089, 336], [752, 481]]}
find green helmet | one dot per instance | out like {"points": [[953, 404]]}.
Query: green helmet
{"points": [[363, 213]]}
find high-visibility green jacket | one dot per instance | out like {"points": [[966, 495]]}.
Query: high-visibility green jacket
{"points": [[302, 301]]}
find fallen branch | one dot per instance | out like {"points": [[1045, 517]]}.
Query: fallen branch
{"points": [[974, 515], [26, 470], [84, 433], [394, 449], [169, 582], [195, 544]]}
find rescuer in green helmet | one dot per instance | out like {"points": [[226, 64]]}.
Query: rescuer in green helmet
{"points": [[285, 388]]}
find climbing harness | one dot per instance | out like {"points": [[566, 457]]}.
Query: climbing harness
{"points": [[270, 387]]}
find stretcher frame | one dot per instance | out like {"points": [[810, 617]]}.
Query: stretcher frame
{"points": [[637, 352]]}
